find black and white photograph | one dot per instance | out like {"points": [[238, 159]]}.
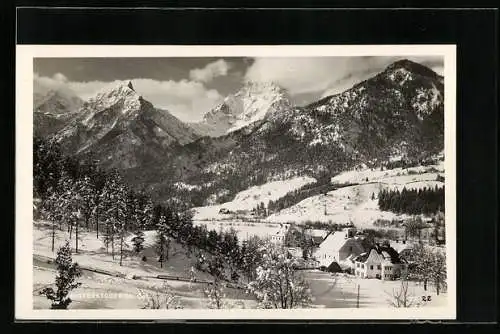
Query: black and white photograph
{"points": [[240, 182]]}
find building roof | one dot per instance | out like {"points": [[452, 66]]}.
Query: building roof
{"points": [[317, 233], [334, 241], [387, 252], [334, 267], [399, 246]]}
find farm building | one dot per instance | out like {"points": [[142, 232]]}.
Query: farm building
{"points": [[381, 262], [337, 247]]}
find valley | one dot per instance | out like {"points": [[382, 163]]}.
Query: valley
{"points": [[219, 209]]}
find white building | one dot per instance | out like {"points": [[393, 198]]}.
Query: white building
{"points": [[338, 247], [381, 262], [316, 235], [278, 235]]}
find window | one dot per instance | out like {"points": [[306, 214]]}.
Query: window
{"points": [[379, 267], [362, 266], [357, 265], [350, 249], [371, 267]]}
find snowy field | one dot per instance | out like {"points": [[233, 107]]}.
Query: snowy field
{"points": [[92, 254], [248, 199], [100, 291], [340, 291], [348, 204], [377, 175], [105, 291], [354, 203], [245, 230]]}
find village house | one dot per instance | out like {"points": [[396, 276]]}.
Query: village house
{"points": [[381, 261], [317, 236], [338, 247], [278, 235], [403, 247]]}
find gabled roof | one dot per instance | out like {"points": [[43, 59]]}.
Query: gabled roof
{"points": [[334, 241], [399, 246], [388, 253]]}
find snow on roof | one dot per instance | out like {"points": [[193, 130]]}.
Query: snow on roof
{"points": [[334, 241], [399, 246], [387, 254], [317, 233]]}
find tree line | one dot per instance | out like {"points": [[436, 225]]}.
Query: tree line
{"points": [[77, 194], [412, 201]]}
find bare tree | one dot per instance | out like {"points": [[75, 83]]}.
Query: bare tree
{"points": [[402, 297], [216, 295], [160, 298], [278, 284]]}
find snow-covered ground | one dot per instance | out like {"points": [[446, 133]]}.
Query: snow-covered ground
{"points": [[354, 203], [99, 291], [360, 176], [340, 291], [248, 199], [106, 292], [348, 204], [245, 230], [93, 254]]}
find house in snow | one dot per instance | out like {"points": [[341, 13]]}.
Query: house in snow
{"points": [[403, 247], [338, 247], [316, 235], [278, 235], [381, 261]]}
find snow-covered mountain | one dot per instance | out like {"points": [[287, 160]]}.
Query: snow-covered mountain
{"points": [[256, 136], [253, 102], [53, 108], [121, 129], [397, 114]]}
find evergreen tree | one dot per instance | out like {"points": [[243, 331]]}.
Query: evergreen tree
{"points": [[115, 212], [163, 232], [53, 210], [438, 270], [68, 272], [47, 166]]}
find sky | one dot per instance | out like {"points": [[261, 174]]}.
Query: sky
{"points": [[190, 87]]}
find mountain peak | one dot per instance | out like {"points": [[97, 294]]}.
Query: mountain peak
{"points": [[130, 86], [411, 66], [259, 87], [255, 101]]}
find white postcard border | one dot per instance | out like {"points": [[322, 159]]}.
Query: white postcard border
{"points": [[24, 181]]}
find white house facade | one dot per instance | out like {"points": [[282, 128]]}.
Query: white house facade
{"points": [[381, 262], [337, 247]]}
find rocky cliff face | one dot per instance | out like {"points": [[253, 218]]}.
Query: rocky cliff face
{"points": [[254, 102], [123, 130]]}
